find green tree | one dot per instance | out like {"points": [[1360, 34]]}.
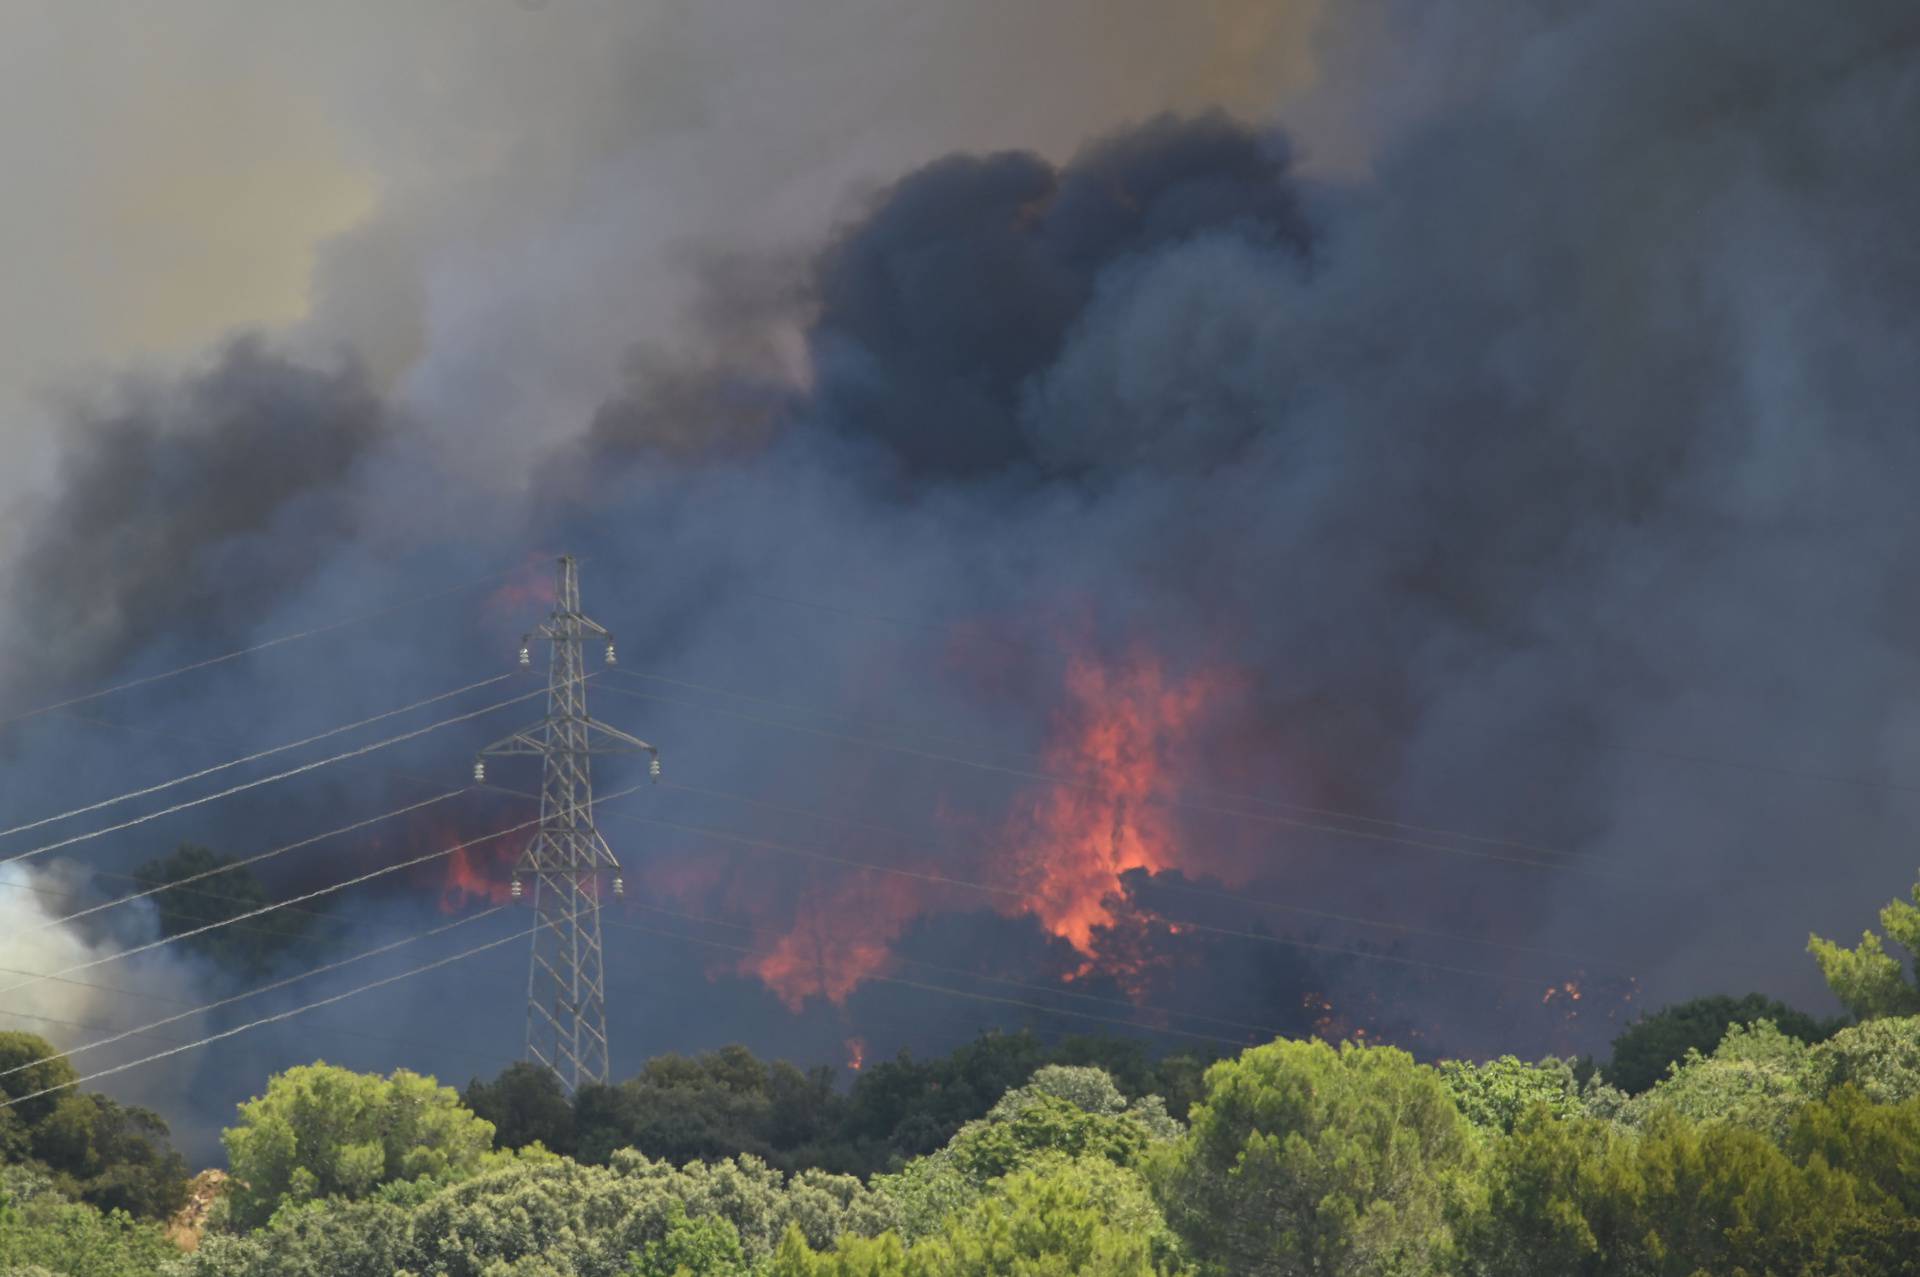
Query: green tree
{"points": [[112, 1156], [1878, 1144], [1494, 1095], [1757, 1079], [713, 1106], [40, 1229], [1869, 981], [321, 1131], [526, 1105], [703, 1247], [882, 1256], [1059, 1218], [1062, 1112], [541, 1214], [29, 1066], [1051, 1221], [1581, 1198], [228, 891], [97, 1151], [1307, 1159], [1880, 1057], [1643, 1053], [327, 1238]]}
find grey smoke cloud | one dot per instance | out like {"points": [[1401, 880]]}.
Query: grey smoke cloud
{"points": [[1574, 439], [1563, 434]]}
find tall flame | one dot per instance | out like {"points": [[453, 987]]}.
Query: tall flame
{"points": [[1063, 849], [1112, 745]]}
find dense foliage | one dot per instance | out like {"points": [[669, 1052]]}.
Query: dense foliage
{"points": [[88, 1147], [1651, 1045], [322, 1132], [43, 1228], [1766, 1155], [1869, 981], [1304, 1158], [727, 1102], [1756, 1151]]}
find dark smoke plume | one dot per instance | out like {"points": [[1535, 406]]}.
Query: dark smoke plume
{"points": [[190, 509], [1522, 529]]}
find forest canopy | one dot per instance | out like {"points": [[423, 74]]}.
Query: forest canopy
{"points": [[1726, 1135]]}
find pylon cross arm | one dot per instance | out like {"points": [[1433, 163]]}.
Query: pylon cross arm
{"points": [[602, 739], [523, 741]]}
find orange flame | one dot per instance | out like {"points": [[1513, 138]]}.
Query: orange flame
{"points": [[469, 879], [842, 937], [1113, 744], [856, 1053]]}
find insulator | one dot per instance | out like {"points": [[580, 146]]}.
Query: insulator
{"points": [[610, 659], [526, 654], [479, 769], [516, 888], [653, 769], [619, 885]]}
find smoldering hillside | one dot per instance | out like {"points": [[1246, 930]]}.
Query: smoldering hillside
{"points": [[1487, 572]]}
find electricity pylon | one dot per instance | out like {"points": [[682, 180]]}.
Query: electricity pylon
{"points": [[566, 987]]}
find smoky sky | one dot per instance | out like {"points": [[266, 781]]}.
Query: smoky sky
{"points": [[1536, 499], [188, 507]]}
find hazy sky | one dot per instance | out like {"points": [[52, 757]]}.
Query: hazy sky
{"points": [[180, 172]]}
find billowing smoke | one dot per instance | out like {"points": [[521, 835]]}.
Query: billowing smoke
{"points": [[186, 509], [1395, 566], [88, 1004]]}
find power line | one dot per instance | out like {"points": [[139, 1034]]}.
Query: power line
{"points": [[469, 1052], [991, 979], [1212, 791], [250, 758], [276, 1018], [300, 899], [1157, 799], [249, 860], [235, 655], [960, 993], [203, 1008], [1187, 889], [289, 936], [268, 780], [1015, 893], [1732, 764], [1178, 888]]}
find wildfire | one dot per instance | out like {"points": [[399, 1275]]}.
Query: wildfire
{"points": [[1569, 990], [1064, 849], [842, 937], [1113, 741], [856, 1054], [469, 878]]}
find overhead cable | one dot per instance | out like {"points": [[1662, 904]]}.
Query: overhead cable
{"points": [[250, 758], [262, 646], [276, 1018]]}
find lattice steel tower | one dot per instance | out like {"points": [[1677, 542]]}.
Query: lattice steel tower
{"points": [[566, 988]]}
